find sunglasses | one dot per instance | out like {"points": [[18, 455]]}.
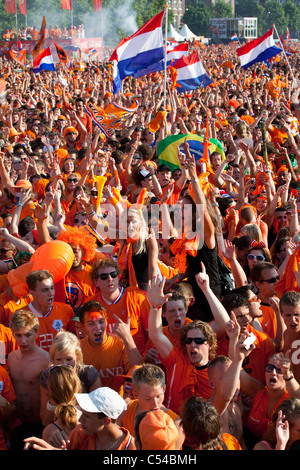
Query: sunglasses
{"points": [[94, 193], [254, 299], [255, 258], [196, 340], [104, 276], [270, 367], [72, 180], [70, 133], [272, 280]]}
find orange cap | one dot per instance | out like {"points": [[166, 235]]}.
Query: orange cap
{"points": [[122, 378], [70, 129], [157, 431], [23, 184]]}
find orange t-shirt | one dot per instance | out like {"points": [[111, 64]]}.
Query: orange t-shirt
{"points": [[4, 284], [268, 321], [258, 420], [254, 364], [277, 136], [7, 344], [231, 442], [128, 417], [8, 307], [7, 391], [183, 380], [173, 199], [110, 359], [50, 324], [131, 302], [79, 440], [79, 287], [175, 340]]}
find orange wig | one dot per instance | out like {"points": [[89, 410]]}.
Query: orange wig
{"points": [[79, 236]]}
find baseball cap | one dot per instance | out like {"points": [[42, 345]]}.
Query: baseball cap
{"points": [[157, 431], [163, 167], [23, 184], [122, 378], [102, 400], [143, 174]]}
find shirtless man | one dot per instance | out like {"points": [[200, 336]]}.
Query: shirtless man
{"points": [[224, 377], [24, 366]]}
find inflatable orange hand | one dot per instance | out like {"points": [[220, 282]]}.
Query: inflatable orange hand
{"points": [[55, 256], [154, 125]]}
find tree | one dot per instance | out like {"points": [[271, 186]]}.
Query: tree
{"points": [[197, 17], [292, 14], [222, 10], [274, 14]]}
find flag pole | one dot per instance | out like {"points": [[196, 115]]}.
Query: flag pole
{"points": [[283, 51], [165, 58]]}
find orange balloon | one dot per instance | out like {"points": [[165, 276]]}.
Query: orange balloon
{"points": [[55, 256], [17, 279]]}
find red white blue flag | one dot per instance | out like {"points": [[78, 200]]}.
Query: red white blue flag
{"points": [[191, 73], [43, 62], [144, 48], [258, 50]]}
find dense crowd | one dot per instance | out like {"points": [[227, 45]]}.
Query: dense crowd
{"points": [[122, 322]]}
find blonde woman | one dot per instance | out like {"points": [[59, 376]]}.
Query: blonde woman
{"points": [[253, 231], [66, 350], [63, 382]]}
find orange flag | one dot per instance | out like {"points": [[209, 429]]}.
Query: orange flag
{"points": [[19, 56], [288, 280], [41, 39]]}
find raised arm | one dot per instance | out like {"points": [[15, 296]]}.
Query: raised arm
{"points": [[221, 317], [156, 299]]}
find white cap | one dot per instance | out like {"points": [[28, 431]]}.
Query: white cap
{"points": [[102, 400]]}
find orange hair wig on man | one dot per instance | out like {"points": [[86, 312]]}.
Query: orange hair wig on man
{"points": [[79, 236]]}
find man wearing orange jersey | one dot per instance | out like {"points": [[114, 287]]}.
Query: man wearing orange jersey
{"points": [[53, 316], [126, 303], [112, 354]]}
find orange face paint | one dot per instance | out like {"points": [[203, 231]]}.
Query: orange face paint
{"points": [[94, 315]]}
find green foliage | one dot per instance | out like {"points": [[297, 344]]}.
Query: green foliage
{"points": [[222, 10], [197, 17], [292, 14], [274, 13]]}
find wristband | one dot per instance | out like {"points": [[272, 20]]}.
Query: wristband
{"points": [[289, 378], [114, 201], [19, 204], [157, 308], [90, 215]]}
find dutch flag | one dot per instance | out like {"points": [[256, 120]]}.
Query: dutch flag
{"points": [[234, 37], [258, 50], [191, 73], [43, 61], [137, 52]]}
